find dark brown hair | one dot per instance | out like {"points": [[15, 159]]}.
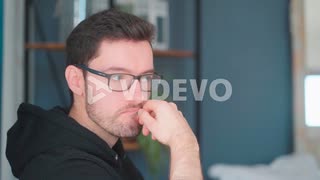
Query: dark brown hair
{"points": [[85, 39]]}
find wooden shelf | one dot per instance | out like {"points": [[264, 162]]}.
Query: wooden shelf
{"points": [[173, 53], [157, 53], [130, 144]]}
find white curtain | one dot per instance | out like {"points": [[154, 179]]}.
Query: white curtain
{"points": [[305, 30]]}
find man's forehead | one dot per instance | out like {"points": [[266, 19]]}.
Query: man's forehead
{"points": [[126, 70], [123, 43], [124, 56]]}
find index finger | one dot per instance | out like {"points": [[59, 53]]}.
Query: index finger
{"points": [[152, 105]]}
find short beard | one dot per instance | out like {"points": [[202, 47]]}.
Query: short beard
{"points": [[114, 125]]}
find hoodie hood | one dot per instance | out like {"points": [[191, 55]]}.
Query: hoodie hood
{"points": [[38, 131]]}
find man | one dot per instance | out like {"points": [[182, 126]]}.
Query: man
{"points": [[109, 72]]}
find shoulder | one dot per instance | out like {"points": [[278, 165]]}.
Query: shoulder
{"points": [[67, 163]]}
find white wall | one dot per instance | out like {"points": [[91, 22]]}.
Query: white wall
{"points": [[312, 34], [13, 69], [305, 28]]}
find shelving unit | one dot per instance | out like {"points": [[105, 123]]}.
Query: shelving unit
{"points": [[129, 145], [173, 54], [61, 47]]}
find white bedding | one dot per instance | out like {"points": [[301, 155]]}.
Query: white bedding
{"points": [[290, 167]]}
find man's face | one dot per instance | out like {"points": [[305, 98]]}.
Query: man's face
{"points": [[116, 112]]}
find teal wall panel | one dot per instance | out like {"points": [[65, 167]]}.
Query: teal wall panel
{"points": [[248, 43]]}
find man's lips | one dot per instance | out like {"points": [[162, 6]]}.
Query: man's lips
{"points": [[131, 110]]}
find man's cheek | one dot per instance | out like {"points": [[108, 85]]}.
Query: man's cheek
{"points": [[96, 90], [145, 95]]}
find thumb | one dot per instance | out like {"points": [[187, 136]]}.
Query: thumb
{"points": [[146, 119]]}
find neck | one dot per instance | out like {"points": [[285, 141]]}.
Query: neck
{"points": [[81, 116]]}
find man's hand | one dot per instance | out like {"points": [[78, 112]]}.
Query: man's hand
{"points": [[165, 122], [167, 125]]}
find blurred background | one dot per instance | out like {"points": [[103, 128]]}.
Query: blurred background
{"points": [[267, 49]]}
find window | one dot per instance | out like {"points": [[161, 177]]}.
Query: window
{"points": [[79, 11], [312, 100], [312, 63]]}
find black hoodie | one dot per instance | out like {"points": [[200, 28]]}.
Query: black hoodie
{"points": [[48, 145]]}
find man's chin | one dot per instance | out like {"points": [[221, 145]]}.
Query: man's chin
{"points": [[127, 125], [130, 132], [130, 129]]}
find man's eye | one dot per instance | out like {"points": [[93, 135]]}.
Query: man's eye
{"points": [[116, 77], [146, 78]]}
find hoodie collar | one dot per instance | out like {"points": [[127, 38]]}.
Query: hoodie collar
{"points": [[37, 131]]}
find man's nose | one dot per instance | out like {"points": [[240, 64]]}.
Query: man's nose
{"points": [[139, 94]]}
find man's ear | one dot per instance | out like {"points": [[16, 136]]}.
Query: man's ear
{"points": [[75, 79]]}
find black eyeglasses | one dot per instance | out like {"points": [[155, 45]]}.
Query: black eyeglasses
{"points": [[122, 81]]}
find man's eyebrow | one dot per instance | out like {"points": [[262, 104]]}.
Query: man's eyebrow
{"points": [[148, 71], [121, 69]]}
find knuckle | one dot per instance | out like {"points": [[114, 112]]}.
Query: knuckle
{"points": [[162, 105], [181, 113], [142, 114], [173, 105]]}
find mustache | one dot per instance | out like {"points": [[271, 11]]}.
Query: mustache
{"points": [[132, 105]]}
